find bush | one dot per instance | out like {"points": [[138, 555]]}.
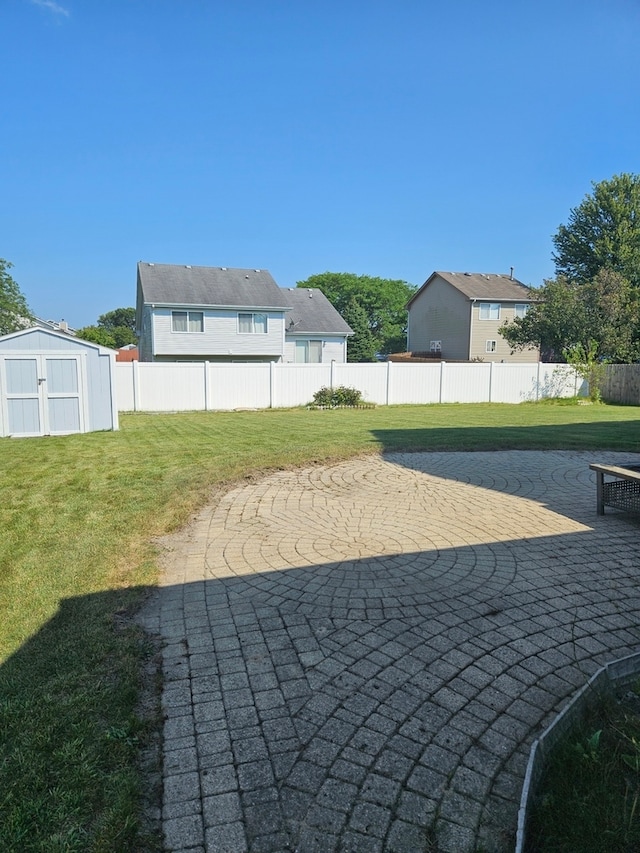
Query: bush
{"points": [[330, 398]]}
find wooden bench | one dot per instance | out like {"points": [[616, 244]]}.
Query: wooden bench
{"points": [[620, 492]]}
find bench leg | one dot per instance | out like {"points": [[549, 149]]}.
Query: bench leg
{"points": [[599, 491]]}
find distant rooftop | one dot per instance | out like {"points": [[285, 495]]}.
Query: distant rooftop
{"points": [[480, 285]]}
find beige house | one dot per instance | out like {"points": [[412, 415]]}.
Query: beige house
{"points": [[459, 315]]}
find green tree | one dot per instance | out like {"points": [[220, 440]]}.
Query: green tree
{"points": [[14, 311], [565, 314], [114, 329], [97, 335], [603, 232], [119, 317], [584, 359], [361, 346], [120, 324], [383, 300]]}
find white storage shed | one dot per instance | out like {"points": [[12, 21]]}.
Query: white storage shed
{"points": [[55, 384]]}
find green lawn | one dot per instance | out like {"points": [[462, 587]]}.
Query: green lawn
{"points": [[76, 522]]}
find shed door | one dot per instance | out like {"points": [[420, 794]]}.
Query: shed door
{"points": [[42, 394]]}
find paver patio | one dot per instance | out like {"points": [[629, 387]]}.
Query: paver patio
{"points": [[358, 657]]}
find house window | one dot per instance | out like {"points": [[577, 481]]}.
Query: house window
{"points": [[435, 346], [308, 352], [252, 324], [520, 310], [490, 346], [187, 321], [489, 310]]}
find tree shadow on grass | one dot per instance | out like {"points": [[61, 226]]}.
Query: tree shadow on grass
{"points": [[77, 712], [616, 435]]}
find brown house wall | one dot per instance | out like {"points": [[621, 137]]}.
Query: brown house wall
{"points": [[443, 313], [440, 313]]}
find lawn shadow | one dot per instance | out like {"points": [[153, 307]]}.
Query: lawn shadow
{"points": [[79, 710], [616, 435]]}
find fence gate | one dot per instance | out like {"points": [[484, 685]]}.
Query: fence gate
{"points": [[42, 394]]}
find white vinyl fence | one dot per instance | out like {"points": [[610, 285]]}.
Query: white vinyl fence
{"points": [[208, 386]]}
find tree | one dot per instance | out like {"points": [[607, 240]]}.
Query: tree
{"points": [[383, 301], [603, 232], [586, 363], [14, 311], [97, 335], [119, 318], [121, 325], [565, 314], [114, 329], [361, 345]]}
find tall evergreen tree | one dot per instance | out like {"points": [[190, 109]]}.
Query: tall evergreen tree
{"points": [[361, 346]]}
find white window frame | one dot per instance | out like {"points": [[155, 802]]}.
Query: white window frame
{"points": [[491, 311], [253, 323], [435, 346], [490, 346], [191, 317], [520, 309]]}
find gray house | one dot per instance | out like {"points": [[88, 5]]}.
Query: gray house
{"points": [[220, 314], [52, 383], [458, 315], [314, 331]]}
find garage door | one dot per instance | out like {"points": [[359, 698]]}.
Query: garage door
{"points": [[42, 394]]}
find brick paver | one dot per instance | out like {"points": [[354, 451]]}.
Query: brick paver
{"points": [[358, 657]]}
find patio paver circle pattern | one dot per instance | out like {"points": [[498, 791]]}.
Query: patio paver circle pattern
{"points": [[358, 657]]}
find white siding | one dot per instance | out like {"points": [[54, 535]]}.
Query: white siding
{"points": [[333, 348], [220, 336]]}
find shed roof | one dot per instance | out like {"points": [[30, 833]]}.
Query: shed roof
{"points": [[172, 284], [40, 336], [477, 285], [310, 312]]}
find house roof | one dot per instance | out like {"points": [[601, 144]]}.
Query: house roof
{"points": [[477, 285], [310, 312], [172, 284]]}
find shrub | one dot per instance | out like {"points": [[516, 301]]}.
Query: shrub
{"points": [[330, 398]]}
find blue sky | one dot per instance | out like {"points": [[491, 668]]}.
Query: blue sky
{"points": [[380, 137]]}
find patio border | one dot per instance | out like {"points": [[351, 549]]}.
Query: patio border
{"points": [[603, 682]]}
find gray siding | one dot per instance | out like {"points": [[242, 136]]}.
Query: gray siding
{"points": [[220, 337], [145, 343]]}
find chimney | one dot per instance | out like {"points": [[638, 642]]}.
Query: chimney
{"points": [[64, 327], [511, 274]]}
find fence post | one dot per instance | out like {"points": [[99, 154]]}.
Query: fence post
{"points": [[538, 382], [442, 364], [388, 381], [207, 387], [272, 384], [332, 378], [136, 389], [491, 363]]}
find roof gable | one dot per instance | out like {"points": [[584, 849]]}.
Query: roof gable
{"points": [[310, 312], [41, 334], [486, 286], [172, 284]]}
